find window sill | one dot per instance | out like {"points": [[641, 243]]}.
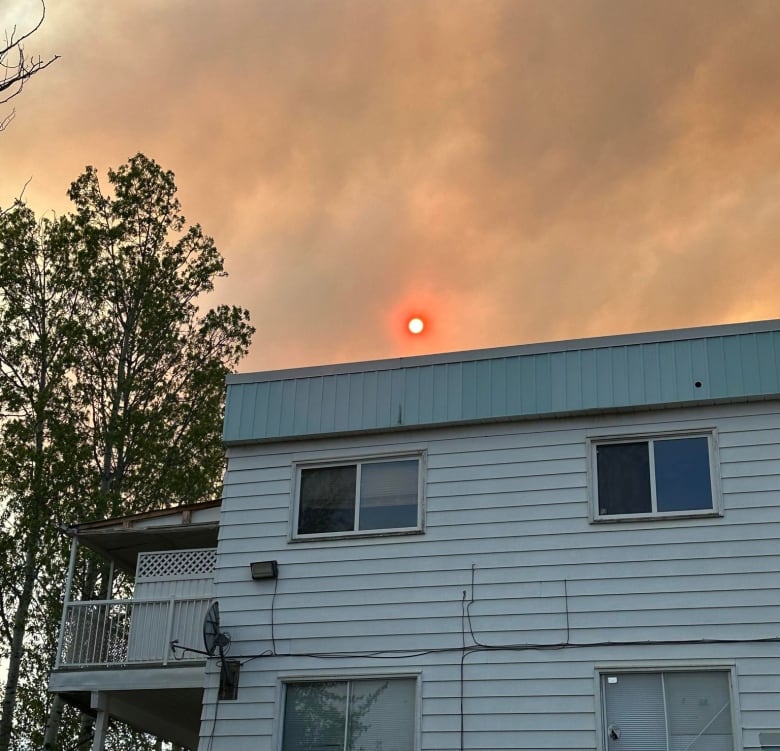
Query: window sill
{"points": [[368, 534], [668, 516]]}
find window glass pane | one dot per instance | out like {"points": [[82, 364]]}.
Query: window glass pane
{"points": [[388, 494], [634, 708], [327, 502], [698, 711], [381, 715], [623, 478], [315, 716], [682, 474], [690, 710]]}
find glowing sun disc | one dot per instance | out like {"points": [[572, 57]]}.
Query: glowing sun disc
{"points": [[416, 325]]}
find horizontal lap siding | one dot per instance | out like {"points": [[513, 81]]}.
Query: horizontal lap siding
{"points": [[512, 500]]}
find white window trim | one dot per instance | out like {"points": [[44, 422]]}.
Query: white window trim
{"points": [[593, 441], [357, 459], [359, 674], [651, 666]]}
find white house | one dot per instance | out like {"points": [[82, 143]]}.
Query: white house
{"points": [[561, 546]]}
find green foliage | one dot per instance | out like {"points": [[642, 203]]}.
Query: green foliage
{"points": [[150, 369], [111, 392]]}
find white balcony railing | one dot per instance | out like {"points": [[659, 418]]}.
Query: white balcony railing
{"points": [[121, 632]]}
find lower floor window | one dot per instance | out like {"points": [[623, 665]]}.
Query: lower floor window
{"points": [[350, 715], [668, 711]]}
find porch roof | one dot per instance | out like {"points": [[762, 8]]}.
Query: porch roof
{"points": [[122, 538]]}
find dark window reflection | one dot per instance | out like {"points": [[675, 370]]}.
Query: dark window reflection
{"points": [[623, 478], [682, 474], [327, 500]]}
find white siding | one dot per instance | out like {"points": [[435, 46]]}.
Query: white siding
{"points": [[512, 500]]}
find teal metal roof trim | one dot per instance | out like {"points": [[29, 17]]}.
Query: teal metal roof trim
{"points": [[736, 362]]}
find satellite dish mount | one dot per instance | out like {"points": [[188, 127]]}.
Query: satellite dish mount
{"points": [[215, 640]]}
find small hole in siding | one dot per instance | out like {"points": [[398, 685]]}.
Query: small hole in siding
{"points": [[697, 384]]}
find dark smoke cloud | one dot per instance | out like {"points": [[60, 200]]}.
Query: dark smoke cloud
{"points": [[517, 171]]}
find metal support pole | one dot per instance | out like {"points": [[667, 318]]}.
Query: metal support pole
{"points": [[99, 702], [168, 631], [74, 546], [110, 583]]}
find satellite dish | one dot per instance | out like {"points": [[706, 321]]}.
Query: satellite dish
{"points": [[213, 637], [216, 640]]}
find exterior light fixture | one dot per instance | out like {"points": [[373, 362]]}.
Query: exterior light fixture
{"points": [[264, 570]]}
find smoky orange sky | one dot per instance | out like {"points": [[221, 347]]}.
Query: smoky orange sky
{"points": [[511, 171]]}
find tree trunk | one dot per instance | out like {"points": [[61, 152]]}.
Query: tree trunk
{"points": [[86, 731], [53, 723], [17, 642]]}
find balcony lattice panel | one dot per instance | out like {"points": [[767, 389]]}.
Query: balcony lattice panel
{"points": [[175, 564]]}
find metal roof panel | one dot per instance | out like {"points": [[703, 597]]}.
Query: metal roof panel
{"points": [[734, 362]]}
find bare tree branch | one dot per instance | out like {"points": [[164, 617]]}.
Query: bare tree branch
{"points": [[16, 68]]}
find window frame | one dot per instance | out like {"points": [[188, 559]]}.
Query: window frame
{"points": [[358, 460], [594, 441], [324, 675], [602, 670]]}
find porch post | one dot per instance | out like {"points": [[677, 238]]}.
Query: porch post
{"points": [[74, 546], [100, 702], [110, 584]]}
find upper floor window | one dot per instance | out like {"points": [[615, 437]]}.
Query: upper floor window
{"points": [[655, 476], [377, 495]]}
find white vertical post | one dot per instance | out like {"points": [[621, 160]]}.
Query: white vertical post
{"points": [[74, 545], [168, 632], [100, 702], [101, 725], [110, 582]]}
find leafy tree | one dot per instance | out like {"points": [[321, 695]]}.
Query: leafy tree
{"points": [[150, 369], [39, 457], [130, 415], [16, 68]]}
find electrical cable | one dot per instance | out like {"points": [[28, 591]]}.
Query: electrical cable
{"points": [[468, 607], [273, 603], [479, 646], [463, 611], [401, 654]]}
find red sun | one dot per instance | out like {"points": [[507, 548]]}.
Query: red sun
{"points": [[416, 325]]}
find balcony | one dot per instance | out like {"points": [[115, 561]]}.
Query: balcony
{"points": [[115, 656], [116, 633]]}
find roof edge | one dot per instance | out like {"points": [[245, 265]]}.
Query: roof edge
{"points": [[154, 513], [614, 340]]}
